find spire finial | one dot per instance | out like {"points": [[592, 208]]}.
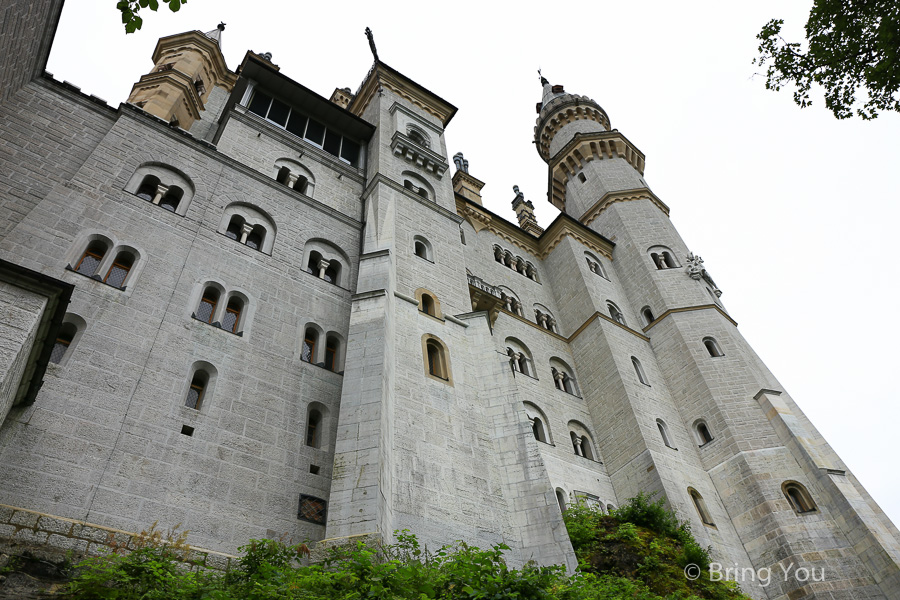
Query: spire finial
{"points": [[371, 37], [221, 26], [543, 79]]}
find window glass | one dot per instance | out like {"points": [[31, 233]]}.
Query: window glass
{"points": [[59, 350], [312, 509], [350, 152], [260, 104], [279, 112], [332, 142], [91, 259], [315, 132], [296, 124]]}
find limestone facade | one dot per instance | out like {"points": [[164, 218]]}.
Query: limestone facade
{"points": [[290, 315]]}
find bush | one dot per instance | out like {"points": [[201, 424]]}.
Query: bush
{"points": [[652, 515]]}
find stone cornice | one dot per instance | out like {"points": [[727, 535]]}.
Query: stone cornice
{"points": [[583, 148], [672, 311], [621, 196], [402, 145], [541, 247], [601, 316], [381, 75]]}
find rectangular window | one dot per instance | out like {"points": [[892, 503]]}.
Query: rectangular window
{"points": [[332, 143], [312, 509], [260, 104], [350, 152], [278, 113], [296, 124], [315, 132]]}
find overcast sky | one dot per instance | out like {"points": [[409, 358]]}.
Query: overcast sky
{"points": [[792, 210]]}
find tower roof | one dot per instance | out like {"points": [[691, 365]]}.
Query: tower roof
{"points": [[216, 34]]}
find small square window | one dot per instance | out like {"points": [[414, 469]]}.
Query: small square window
{"points": [[186, 430], [312, 509], [314, 469]]}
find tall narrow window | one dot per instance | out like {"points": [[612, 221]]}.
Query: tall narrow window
{"points": [[421, 250], [118, 272], [232, 314], [436, 359], [313, 428], [712, 347], [664, 432], [576, 443], [331, 350], [255, 237], [586, 449], [234, 227], [639, 370], [147, 191], [307, 353], [647, 315], [331, 273], [798, 497], [196, 391], [561, 499], [90, 260], [537, 428], [700, 505], [207, 308], [63, 340], [172, 199], [615, 313]]}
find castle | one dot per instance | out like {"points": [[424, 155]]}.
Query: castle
{"points": [[234, 304]]}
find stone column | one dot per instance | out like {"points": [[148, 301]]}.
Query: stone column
{"points": [[161, 190], [323, 266], [246, 229]]}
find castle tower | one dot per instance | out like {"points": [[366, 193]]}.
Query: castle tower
{"points": [[686, 407], [187, 68]]}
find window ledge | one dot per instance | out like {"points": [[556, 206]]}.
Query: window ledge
{"points": [[705, 444], [422, 312], [308, 272], [517, 373], [569, 393], [322, 366], [671, 447], [217, 325], [97, 278], [425, 259]]}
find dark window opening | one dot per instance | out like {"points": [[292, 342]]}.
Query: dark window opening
{"points": [[314, 469], [232, 314], [260, 103], [119, 270], [312, 509], [186, 430], [234, 227], [91, 258], [313, 426], [315, 132], [147, 191], [63, 341], [278, 113], [207, 308], [331, 347], [195, 392], [307, 353]]}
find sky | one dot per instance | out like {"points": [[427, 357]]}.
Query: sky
{"points": [[793, 211]]}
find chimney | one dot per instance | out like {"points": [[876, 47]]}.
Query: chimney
{"points": [[464, 184], [525, 213]]}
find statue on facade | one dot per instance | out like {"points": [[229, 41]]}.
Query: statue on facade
{"points": [[697, 271], [371, 37]]}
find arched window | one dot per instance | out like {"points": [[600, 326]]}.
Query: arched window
{"points": [[615, 313], [147, 189], [712, 347], [663, 258], [92, 257], [206, 310], [537, 428], [197, 389], [308, 351], [235, 226], [255, 238], [561, 499], [543, 318], [700, 505], [325, 261], [582, 443], [610, 508], [437, 363], [647, 315], [249, 225], [520, 357], [576, 443], [118, 272], [664, 433], [233, 314], [314, 428], [418, 137], [422, 248], [331, 353], [594, 265], [162, 185], [798, 497], [703, 435], [295, 176], [586, 448], [563, 379], [639, 370], [427, 305], [64, 339]]}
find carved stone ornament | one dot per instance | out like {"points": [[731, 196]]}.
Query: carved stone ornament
{"points": [[697, 271]]}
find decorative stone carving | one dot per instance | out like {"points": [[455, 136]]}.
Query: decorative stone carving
{"points": [[697, 271], [461, 163]]}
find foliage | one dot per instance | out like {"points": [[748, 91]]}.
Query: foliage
{"points": [[619, 560], [130, 9], [851, 47]]}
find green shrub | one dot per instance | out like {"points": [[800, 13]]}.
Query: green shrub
{"points": [[641, 511]]}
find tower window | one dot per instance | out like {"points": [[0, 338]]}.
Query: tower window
{"points": [[171, 199], [647, 315], [664, 433], [712, 347], [313, 428], [615, 313], [639, 370], [312, 509], [436, 359], [700, 505], [561, 499], [63, 341], [331, 351], [798, 497], [147, 191], [703, 435], [427, 305], [232, 314], [537, 428]]}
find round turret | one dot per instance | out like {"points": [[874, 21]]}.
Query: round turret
{"points": [[561, 116]]}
